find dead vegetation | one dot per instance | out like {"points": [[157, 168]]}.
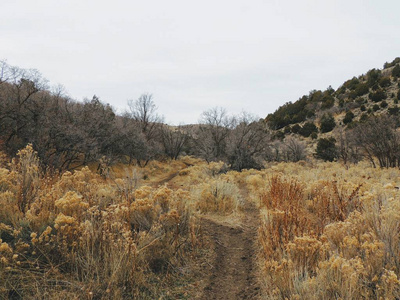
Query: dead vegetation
{"points": [[327, 234], [191, 229], [81, 236]]}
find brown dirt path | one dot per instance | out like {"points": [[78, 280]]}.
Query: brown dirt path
{"points": [[233, 272], [165, 180]]}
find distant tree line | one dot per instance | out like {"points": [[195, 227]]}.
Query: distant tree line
{"points": [[301, 110], [68, 134]]}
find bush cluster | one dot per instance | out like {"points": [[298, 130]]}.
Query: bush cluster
{"points": [[109, 239], [328, 233], [327, 123]]}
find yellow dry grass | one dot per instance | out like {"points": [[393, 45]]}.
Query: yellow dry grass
{"points": [[326, 231], [82, 236], [330, 232]]}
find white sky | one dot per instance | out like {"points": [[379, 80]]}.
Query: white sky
{"points": [[249, 55]]}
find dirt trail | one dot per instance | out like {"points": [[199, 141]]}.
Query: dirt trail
{"points": [[233, 273], [165, 180]]}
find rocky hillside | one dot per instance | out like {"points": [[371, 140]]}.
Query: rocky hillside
{"points": [[316, 115]]}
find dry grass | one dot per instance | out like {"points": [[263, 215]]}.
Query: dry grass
{"points": [[330, 233], [81, 236], [217, 196], [326, 231]]}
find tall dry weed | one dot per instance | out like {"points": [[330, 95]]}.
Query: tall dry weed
{"points": [[335, 237], [88, 237], [217, 196]]}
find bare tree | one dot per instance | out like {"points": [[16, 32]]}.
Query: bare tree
{"points": [[133, 143], [348, 148], [144, 112], [4, 71], [247, 143], [173, 140], [378, 139], [344, 146], [212, 134], [19, 106], [294, 150], [275, 151]]}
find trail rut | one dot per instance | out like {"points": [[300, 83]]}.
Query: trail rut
{"points": [[233, 272]]}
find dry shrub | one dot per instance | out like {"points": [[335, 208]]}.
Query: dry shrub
{"points": [[157, 171], [255, 182], [87, 237], [3, 159], [286, 216], [336, 238], [27, 167], [201, 172], [218, 196]]}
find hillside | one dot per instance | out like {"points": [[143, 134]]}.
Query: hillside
{"points": [[356, 100]]}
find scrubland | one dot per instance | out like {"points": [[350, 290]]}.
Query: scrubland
{"points": [[329, 232], [80, 236], [123, 235], [326, 230]]}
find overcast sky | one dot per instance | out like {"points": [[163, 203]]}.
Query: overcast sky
{"points": [[251, 55]]}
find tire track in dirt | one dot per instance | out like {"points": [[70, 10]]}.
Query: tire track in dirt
{"points": [[234, 271], [166, 180]]}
